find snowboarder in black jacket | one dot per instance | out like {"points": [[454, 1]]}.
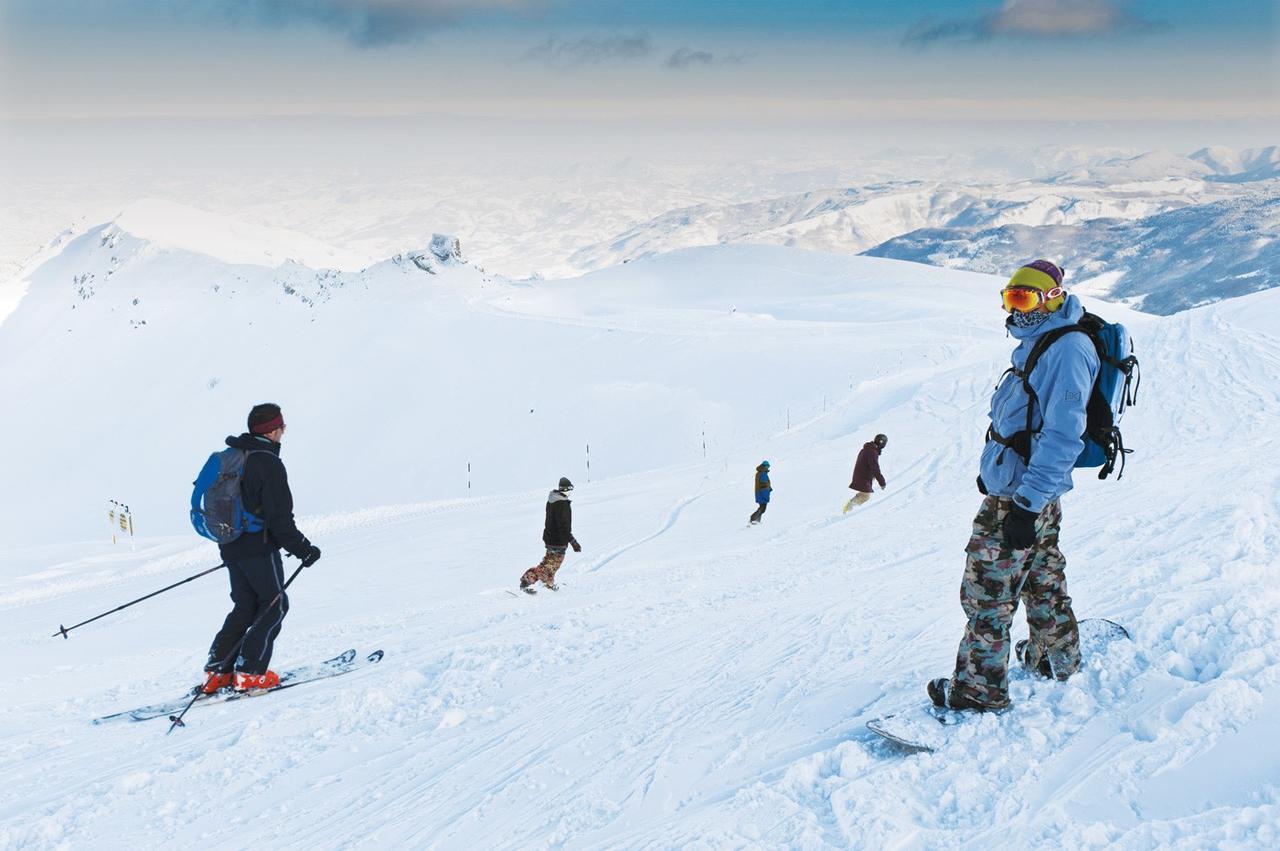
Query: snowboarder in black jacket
{"points": [[557, 535], [253, 561]]}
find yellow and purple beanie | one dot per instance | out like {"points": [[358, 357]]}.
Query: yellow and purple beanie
{"points": [[1043, 276]]}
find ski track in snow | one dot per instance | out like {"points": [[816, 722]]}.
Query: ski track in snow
{"points": [[672, 516], [696, 685]]}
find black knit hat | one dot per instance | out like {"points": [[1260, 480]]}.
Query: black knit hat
{"points": [[265, 418], [565, 484]]}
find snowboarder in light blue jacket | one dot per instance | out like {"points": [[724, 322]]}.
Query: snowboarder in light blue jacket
{"points": [[1013, 554], [1062, 381]]}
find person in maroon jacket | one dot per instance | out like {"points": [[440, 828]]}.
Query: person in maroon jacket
{"points": [[865, 469]]}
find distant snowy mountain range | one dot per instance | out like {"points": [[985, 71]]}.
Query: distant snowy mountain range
{"points": [[1216, 163], [1159, 230], [1163, 231], [1241, 166], [1162, 263], [856, 219]]}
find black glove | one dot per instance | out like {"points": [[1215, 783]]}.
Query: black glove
{"points": [[311, 556], [982, 488], [577, 548], [1019, 528]]}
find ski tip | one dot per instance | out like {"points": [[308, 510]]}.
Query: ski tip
{"points": [[375, 656], [343, 658]]}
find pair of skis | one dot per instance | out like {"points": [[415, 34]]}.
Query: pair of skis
{"points": [[344, 663]]}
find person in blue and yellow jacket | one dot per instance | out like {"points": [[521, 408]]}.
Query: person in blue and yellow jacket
{"points": [[763, 489], [1032, 446]]}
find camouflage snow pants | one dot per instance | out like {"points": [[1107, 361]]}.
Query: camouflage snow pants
{"points": [[995, 578], [545, 570]]}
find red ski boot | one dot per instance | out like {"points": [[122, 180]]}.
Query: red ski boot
{"points": [[256, 682], [213, 681]]}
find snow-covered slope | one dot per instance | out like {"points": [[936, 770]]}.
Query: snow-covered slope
{"points": [[133, 349], [696, 683], [1161, 263]]}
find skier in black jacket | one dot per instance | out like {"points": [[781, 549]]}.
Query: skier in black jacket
{"points": [[557, 534], [253, 561]]}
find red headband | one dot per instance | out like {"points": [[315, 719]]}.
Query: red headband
{"points": [[270, 425]]}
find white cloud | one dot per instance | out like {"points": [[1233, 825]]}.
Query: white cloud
{"points": [[1035, 19]]}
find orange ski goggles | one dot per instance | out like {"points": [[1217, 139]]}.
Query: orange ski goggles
{"points": [[1026, 299]]}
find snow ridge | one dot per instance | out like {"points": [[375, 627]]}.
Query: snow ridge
{"points": [[170, 226]]}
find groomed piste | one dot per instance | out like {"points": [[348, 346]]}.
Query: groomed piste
{"points": [[695, 683]]}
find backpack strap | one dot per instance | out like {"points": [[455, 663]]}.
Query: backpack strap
{"points": [[1020, 441]]}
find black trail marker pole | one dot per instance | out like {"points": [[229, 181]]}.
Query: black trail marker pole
{"points": [[63, 630], [177, 719]]}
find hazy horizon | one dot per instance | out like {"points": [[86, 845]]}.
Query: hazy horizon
{"points": [[750, 60]]}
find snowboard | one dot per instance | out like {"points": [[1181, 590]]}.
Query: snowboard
{"points": [[343, 663], [927, 728], [532, 591]]}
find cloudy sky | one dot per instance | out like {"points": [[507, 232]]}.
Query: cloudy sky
{"points": [[1062, 60]]}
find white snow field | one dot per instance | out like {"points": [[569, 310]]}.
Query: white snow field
{"points": [[696, 683]]}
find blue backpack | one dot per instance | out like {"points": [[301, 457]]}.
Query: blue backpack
{"points": [[1115, 389], [216, 510]]}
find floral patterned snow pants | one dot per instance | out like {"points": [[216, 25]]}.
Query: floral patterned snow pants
{"points": [[545, 570], [995, 578]]}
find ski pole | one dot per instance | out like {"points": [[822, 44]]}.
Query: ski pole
{"points": [[63, 630], [177, 719]]}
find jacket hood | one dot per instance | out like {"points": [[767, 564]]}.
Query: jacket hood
{"points": [[248, 441], [871, 444], [558, 496], [1070, 313]]}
